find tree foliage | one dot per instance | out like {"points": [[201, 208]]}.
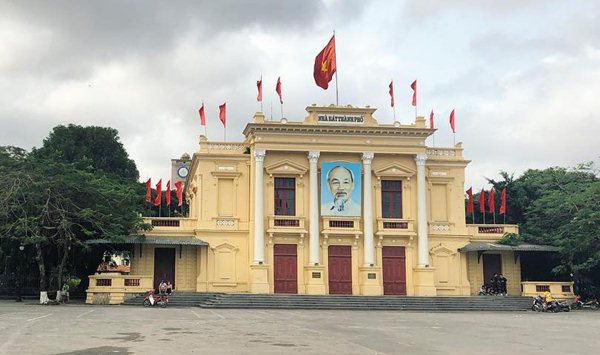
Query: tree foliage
{"points": [[67, 192]]}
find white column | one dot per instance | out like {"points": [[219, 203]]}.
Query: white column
{"points": [[259, 218], [313, 215], [369, 249], [423, 242]]}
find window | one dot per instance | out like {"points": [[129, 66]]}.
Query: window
{"points": [[285, 196], [391, 198]]}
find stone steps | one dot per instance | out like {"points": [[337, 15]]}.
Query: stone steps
{"points": [[279, 301]]}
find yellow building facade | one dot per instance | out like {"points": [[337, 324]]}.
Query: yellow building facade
{"points": [[335, 203]]}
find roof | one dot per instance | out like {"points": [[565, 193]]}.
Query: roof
{"points": [[484, 246], [167, 240]]}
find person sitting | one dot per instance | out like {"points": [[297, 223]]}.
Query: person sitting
{"points": [[169, 288], [162, 287]]}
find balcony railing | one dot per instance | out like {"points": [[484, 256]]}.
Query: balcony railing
{"points": [[342, 225], [561, 290], [286, 223], [491, 231], [170, 222]]}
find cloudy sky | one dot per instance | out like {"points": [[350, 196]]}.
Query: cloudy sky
{"points": [[523, 75]]}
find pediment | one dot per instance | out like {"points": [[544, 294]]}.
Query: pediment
{"points": [[225, 247], [394, 170], [441, 250], [285, 167]]}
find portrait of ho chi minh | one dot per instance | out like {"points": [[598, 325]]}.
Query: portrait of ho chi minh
{"points": [[340, 189]]}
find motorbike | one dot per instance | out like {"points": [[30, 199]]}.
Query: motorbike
{"points": [[579, 304], [153, 300], [540, 305]]}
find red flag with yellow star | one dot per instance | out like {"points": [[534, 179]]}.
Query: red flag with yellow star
{"points": [[325, 65]]}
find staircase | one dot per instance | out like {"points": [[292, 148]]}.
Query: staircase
{"points": [[400, 303]]}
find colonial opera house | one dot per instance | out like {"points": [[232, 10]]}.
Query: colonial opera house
{"points": [[333, 203]]}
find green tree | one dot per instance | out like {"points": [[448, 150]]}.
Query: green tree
{"points": [[92, 146]]}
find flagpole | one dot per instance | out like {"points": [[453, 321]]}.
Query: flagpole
{"points": [[281, 109], [473, 215], [271, 110], [205, 131], [454, 139], [261, 100], [337, 101], [484, 213], [494, 216]]}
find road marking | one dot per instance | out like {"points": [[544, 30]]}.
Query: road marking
{"points": [[36, 318], [211, 311], [83, 314]]}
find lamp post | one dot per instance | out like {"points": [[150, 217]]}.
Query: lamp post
{"points": [[19, 274]]}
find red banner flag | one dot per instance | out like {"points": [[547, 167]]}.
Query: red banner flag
{"points": [[491, 204], [452, 122], [148, 191], [259, 86], [414, 87], [202, 116], [503, 201], [392, 93], [158, 198], [179, 187], [223, 113], [482, 201], [168, 193], [278, 89], [431, 120], [470, 203], [325, 65]]}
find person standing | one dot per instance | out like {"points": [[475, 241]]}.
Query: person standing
{"points": [[502, 285]]}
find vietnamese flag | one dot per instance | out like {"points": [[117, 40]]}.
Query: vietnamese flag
{"points": [[278, 89], [503, 201], [482, 201], [179, 187], [168, 193], [431, 120], [470, 203], [148, 191], [223, 113], [325, 65], [392, 93], [452, 122], [259, 86], [202, 116], [158, 198], [414, 87], [491, 205]]}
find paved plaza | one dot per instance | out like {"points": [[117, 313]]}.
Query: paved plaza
{"points": [[28, 328]]}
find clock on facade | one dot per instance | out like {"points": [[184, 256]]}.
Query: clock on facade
{"points": [[183, 171]]}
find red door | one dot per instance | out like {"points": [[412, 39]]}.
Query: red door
{"points": [[285, 268], [340, 269], [164, 266], [394, 271]]}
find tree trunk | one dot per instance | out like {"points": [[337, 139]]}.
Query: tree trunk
{"points": [[39, 257], [61, 267]]}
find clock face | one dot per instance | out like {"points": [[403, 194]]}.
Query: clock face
{"points": [[183, 171]]}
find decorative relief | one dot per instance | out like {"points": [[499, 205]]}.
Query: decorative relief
{"points": [[441, 152], [420, 159], [227, 146], [367, 157], [440, 227], [259, 155], [313, 156], [225, 223]]}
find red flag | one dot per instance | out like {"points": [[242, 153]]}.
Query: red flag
{"points": [[179, 187], [278, 89], [202, 116], [414, 87], [503, 201], [168, 193], [431, 120], [491, 205], [158, 198], [223, 113], [325, 65], [259, 86], [148, 191], [470, 203], [392, 93], [452, 122], [482, 201]]}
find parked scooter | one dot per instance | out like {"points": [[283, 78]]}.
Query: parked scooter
{"points": [[579, 304], [152, 300], [541, 305]]}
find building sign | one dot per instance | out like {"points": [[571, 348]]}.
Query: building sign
{"points": [[340, 189], [332, 118]]}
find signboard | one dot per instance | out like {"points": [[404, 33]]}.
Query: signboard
{"points": [[338, 118]]}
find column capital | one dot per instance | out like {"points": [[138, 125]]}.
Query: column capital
{"points": [[367, 157], [259, 155], [420, 158], [313, 156]]}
